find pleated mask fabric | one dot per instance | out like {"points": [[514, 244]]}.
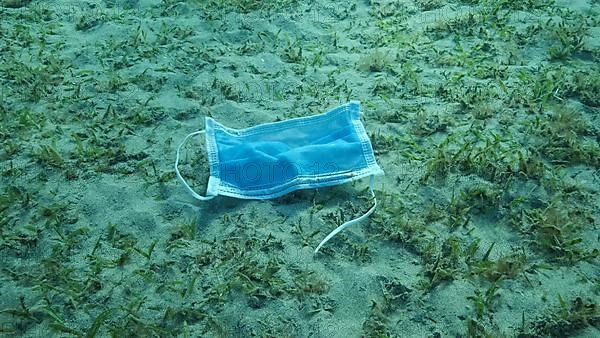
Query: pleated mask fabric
{"points": [[272, 159]]}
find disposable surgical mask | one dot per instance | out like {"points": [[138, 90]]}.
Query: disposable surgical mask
{"points": [[273, 159]]}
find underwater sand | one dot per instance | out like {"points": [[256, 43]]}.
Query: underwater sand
{"points": [[484, 116]]}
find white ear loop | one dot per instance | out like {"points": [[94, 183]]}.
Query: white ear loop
{"points": [[354, 221], [181, 179]]}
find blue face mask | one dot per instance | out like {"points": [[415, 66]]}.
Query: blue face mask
{"points": [[273, 159]]}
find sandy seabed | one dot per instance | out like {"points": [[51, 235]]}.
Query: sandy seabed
{"points": [[484, 116]]}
